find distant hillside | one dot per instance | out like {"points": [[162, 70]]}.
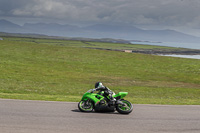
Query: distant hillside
{"points": [[4, 24], [42, 36], [98, 31]]}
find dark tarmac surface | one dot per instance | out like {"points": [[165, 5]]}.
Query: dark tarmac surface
{"points": [[18, 116]]}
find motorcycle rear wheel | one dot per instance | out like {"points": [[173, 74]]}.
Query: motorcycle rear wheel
{"points": [[126, 109], [85, 106]]}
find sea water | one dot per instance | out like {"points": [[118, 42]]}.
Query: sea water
{"points": [[174, 44], [170, 44], [184, 56]]}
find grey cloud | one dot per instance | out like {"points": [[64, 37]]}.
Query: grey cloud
{"points": [[145, 12], [7, 6]]}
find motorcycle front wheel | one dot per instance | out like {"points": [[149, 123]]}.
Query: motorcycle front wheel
{"points": [[85, 106], [126, 108]]}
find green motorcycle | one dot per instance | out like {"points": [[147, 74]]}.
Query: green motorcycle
{"points": [[102, 102]]}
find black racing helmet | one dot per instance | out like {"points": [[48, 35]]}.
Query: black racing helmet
{"points": [[98, 84]]}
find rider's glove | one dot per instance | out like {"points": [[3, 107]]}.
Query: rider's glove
{"points": [[93, 90]]}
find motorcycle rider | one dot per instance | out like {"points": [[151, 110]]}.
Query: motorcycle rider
{"points": [[107, 92]]}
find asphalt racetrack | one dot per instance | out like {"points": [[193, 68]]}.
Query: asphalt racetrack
{"points": [[18, 116]]}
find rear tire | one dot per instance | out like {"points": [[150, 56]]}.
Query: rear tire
{"points": [[128, 108], [85, 106]]}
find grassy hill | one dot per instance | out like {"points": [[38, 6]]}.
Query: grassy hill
{"points": [[63, 70]]}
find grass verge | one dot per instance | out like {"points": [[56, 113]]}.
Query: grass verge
{"points": [[60, 70]]}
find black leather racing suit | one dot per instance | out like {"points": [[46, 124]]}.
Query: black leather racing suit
{"points": [[107, 92]]}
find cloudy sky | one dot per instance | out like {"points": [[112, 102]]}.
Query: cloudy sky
{"points": [[180, 15]]}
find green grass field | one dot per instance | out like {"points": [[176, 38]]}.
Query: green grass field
{"points": [[61, 70]]}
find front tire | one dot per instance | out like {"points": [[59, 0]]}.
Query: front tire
{"points": [[85, 106], [126, 108]]}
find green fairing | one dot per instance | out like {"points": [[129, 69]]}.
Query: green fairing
{"points": [[121, 94], [92, 96]]}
